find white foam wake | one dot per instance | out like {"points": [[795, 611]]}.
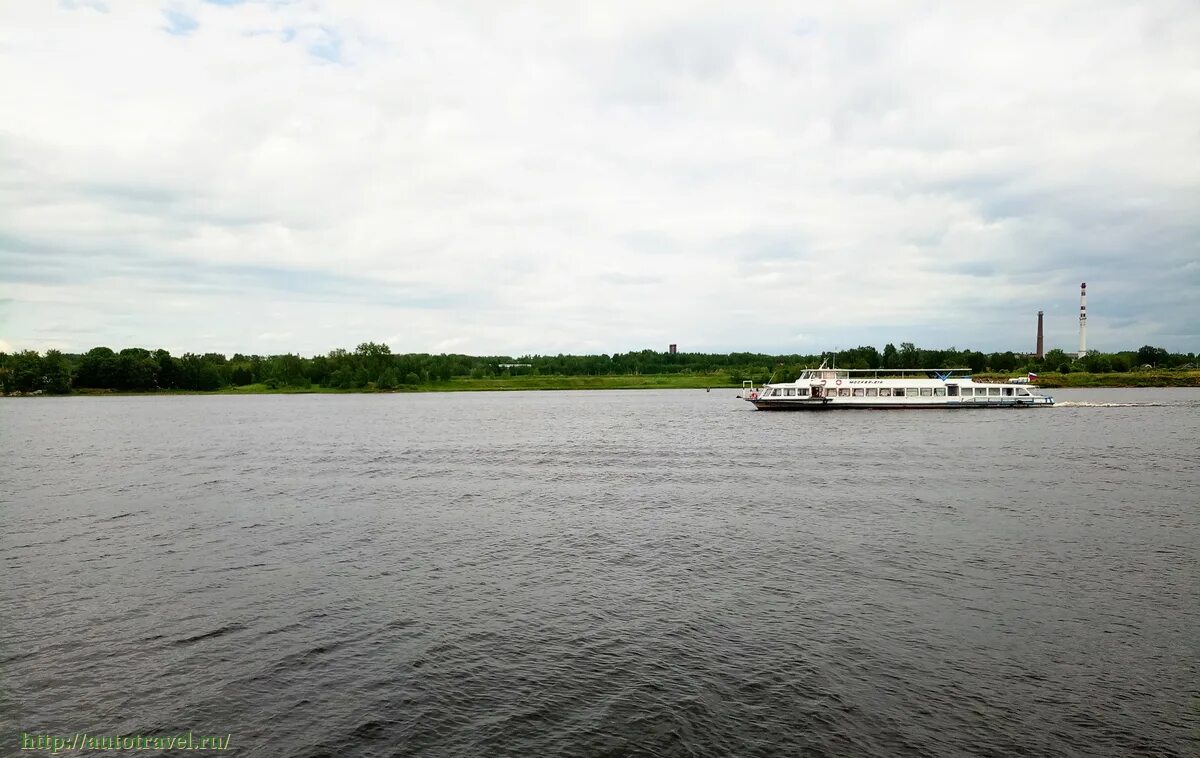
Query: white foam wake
{"points": [[1084, 404]]}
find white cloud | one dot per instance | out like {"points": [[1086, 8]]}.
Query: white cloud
{"points": [[596, 177]]}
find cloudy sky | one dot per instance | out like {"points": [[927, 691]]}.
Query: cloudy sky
{"points": [[552, 177]]}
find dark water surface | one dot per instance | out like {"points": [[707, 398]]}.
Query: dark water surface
{"points": [[603, 574]]}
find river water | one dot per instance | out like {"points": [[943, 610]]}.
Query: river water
{"points": [[664, 573]]}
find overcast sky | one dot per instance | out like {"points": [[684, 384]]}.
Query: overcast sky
{"points": [[598, 176]]}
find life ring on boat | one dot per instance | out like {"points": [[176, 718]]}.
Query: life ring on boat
{"points": [[753, 395], [838, 382]]}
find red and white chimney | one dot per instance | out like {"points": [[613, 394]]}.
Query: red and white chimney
{"points": [[1082, 319]]}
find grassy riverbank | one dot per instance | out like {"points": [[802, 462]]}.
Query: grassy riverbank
{"points": [[1054, 380], [373, 367], [464, 384], [1178, 378]]}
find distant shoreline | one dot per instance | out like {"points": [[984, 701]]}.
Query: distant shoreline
{"points": [[1080, 380], [1084, 380], [373, 367]]}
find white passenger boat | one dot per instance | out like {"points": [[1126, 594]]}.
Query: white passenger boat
{"points": [[832, 388]]}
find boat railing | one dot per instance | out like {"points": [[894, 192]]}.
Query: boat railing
{"points": [[945, 374]]}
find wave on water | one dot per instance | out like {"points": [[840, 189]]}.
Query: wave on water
{"points": [[1084, 404]]}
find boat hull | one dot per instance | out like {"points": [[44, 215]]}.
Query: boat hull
{"points": [[833, 405]]}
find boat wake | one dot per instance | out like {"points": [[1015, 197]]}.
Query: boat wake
{"points": [[1083, 404]]}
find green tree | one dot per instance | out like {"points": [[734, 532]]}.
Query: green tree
{"points": [[859, 358], [1055, 359], [891, 358], [97, 369], [388, 380], [1097, 363], [373, 358], [976, 361], [136, 369], [197, 374], [342, 378], [241, 373], [24, 372], [782, 374], [285, 371], [1154, 356], [56, 373], [1122, 362], [167, 373], [1005, 361]]}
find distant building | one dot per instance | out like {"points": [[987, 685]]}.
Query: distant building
{"points": [[516, 365], [1040, 354], [1082, 320], [672, 348]]}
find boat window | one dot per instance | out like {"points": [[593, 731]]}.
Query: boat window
{"points": [[967, 391], [844, 392], [859, 392], [927, 392], [939, 391], [1024, 392], [1008, 391], [898, 392], [802, 392], [872, 391], [993, 391], [885, 391], [952, 389]]}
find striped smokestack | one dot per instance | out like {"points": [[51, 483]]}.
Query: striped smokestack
{"points": [[1082, 319]]}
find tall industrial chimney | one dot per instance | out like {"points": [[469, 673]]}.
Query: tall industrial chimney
{"points": [[1082, 319], [1039, 355]]}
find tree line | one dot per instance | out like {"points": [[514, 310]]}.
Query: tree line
{"points": [[373, 366]]}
